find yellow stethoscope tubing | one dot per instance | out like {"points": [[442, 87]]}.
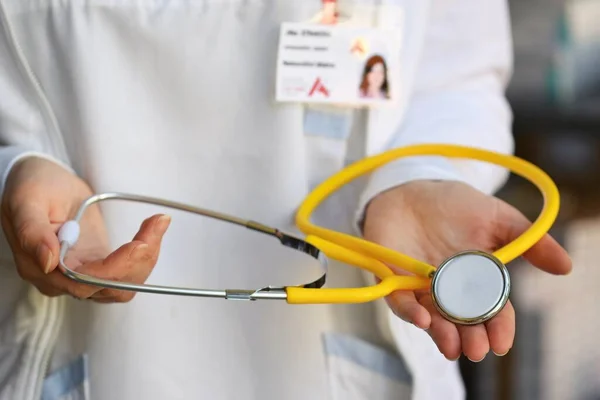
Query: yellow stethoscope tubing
{"points": [[373, 257], [389, 280]]}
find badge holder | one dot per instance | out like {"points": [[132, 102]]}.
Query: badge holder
{"points": [[337, 61]]}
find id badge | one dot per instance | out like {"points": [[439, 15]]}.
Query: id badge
{"points": [[338, 64]]}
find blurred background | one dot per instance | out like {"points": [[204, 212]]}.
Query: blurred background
{"points": [[555, 96]]}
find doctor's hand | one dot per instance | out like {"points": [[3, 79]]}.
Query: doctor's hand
{"points": [[433, 220], [38, 198]]}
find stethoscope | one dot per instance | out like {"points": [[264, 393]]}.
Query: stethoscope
{"points": [[470, 287]]}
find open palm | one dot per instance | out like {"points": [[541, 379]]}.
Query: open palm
{"points": [[38, 198], [432, 221], [91, 254]]}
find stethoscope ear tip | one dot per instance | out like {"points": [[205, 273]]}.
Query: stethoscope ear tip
{"points": [[470, 287]]}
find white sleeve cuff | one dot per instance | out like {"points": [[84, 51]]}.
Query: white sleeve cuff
{"points": [[402, 171], [10, 156]]}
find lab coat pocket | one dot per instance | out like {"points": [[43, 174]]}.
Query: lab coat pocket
{"points": [[68, 383], [327, 121], [358, 370]]}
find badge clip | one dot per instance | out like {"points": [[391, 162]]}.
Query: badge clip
{"points": [[329, 14]]}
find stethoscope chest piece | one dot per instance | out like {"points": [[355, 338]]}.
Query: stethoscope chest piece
{"points": [[470, 287]]}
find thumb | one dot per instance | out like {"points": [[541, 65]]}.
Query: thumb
{"points": [[546, 254], [35, 234]]}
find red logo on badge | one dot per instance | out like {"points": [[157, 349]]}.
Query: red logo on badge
{"points": [[319, 87], [357, 48]]}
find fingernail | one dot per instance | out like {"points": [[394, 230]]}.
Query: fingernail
{"points": [[45, 256], [139, 251], [162, 224], [49, 265], [419, 327], [477, 360], [501, 355]]}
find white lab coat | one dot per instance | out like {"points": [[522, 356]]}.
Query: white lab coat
{"points": [[175, 99]]}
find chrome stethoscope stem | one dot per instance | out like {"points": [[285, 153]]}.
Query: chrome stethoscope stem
{"points": [[69, 234]]}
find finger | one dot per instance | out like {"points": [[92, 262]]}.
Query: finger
{"points": [[549, 256], [130, 263], [404, 304], [113, 296], [35, 235], [501, 330], [103, 300], [119, 264], [546, 254], [443, 332], [103, 294], [60, 282], [54, 283], [47, 289], [152, 231], [140, 255], [474, 341], [133, 261]]}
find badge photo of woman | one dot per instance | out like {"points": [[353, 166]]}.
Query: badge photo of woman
{"points": [[374, 82]]}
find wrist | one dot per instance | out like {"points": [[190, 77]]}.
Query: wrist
{"points": [[32, 172], [395, 197], [402, 174], [23, 167], [404, 201]]}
